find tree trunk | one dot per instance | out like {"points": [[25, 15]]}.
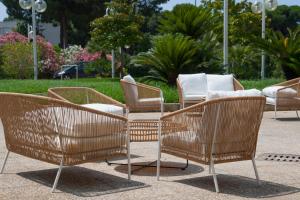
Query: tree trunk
{"points": [[63, 32]]}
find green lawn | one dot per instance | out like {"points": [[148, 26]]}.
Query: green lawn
{"points": [[110, 87]]}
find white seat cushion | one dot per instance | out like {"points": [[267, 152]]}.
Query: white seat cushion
{"points": [[117, 110], [193, 84], [270, 101], [194, 97], [151, 100], [220, 82], [238, 93], [272, 91]]}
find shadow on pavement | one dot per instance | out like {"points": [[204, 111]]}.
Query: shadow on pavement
{"points": [[289, 119], [83, 182], [241, 186], [151, 171]]}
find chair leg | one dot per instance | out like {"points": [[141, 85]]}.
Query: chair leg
{"points": [[158, 167], [297, 114], [255, 170], [275, 110], [209, 169], [4, 162], [128, 158], [57, 175], [214, 175], [158, 152]]}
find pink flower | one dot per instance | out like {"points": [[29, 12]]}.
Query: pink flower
{"points": [[85, 56], [49, 60], [12, 37]]}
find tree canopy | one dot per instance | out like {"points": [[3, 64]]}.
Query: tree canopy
{"points": [[284, 18], [73, 16]]}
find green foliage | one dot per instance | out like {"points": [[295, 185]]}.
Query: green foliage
{"points": [[17, 60], [209, 54], [169, 56], [110, 87], [22, 28], [243, 25], [189, 20], [244, 62], [285, 49], [101, 67], [284, 18], [120, 28]]}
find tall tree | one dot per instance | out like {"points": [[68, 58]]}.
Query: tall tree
{"points": [[284, 18], [120, 29], [74, 17]]}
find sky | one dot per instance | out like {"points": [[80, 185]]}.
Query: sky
{"points": [[167, 6]]}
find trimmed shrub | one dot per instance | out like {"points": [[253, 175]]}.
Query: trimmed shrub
{"points": [[17, 61]]}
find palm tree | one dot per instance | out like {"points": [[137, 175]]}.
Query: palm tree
{"points": [[285, 49], [169, 56], [189, 20]]}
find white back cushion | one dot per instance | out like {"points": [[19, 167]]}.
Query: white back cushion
{"points": [[129, 79], [272, 91], [193, 84], [238, 93], [220, 82], [131, 88]]}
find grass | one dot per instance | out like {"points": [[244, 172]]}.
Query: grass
{"points": [[110, 87]]}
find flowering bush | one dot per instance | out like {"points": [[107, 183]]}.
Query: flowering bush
{"points": [[12, 37], [85, 56], [69, 55], [17, 61], [48, 59], [76, 53]]}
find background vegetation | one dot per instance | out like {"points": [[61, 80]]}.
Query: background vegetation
{"points": [[108, 86], [156, 44]]}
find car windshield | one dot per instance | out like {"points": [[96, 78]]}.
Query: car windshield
{"points": [[67, 67]]}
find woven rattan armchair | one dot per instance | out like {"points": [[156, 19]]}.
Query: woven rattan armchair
{"points": [[184, 102], [60, 132], [284, 96], [141, 97], [216, 131], [87, 97]]}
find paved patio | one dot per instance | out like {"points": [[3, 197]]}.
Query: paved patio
{"points": [[25, 178]]}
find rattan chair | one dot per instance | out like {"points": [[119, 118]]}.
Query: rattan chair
{"points": [[284, 96], [60, 132], [86, 97], [217, 131], [140, 97], [184, 102]]}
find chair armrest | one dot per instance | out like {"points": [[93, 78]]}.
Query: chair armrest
{"points": [[237, 85], [289, 82], [295, 86], [183, 120]]}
